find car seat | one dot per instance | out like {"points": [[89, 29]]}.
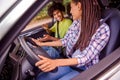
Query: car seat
{"points": [[112, 17]]}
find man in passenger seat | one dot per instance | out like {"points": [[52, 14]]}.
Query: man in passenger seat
{"points": [[56, 10]]}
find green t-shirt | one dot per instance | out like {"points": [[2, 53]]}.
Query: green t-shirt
{"points": [[63, 27]]}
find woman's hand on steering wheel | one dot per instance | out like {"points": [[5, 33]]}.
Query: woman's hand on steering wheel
{"points": [[46, 64], [37, 41]]}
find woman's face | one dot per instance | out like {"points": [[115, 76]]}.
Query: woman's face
{"points": [[57, 14], [76, 10]]}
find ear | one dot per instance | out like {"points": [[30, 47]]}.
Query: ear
{"points": [[79, 5]]}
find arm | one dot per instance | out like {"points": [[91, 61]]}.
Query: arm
{"points": [[47, 37], [53, 43], [49, 31], [46, 64], [53, 38]]}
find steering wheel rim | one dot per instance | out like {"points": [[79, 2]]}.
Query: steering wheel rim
{"points": [[32, 54]]}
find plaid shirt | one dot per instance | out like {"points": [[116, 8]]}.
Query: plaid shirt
{"points": [[90, 55], [71, 36]]}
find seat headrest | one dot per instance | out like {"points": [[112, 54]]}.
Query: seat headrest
{"points": [[104, 3]]}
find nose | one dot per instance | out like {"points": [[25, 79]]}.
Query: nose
{"points": [[56, 15]]}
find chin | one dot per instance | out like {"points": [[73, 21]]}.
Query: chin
{"points": [[60, 20], [74, 18]]}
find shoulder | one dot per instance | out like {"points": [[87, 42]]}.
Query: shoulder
{"points": [[103, 31], [76, 23], [54, 25], [104, 27], [68, 20]]}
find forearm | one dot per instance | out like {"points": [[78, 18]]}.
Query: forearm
{"points": [[53, 43], [66, 62], [54, 38]]}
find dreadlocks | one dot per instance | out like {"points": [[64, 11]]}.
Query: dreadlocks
{"points": [[90, 22]]}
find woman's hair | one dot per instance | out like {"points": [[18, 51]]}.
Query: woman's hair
{"points": [[55, 6], [91, 15]]}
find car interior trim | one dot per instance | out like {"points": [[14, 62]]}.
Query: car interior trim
{"points": [[92, 72]]}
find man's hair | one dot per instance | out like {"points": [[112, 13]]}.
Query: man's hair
{"points": [[55, 6]]}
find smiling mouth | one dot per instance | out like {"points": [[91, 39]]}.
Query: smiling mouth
{"points": [[59, 18]]}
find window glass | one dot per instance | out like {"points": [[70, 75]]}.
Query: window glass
{"points": [[42, 17]]}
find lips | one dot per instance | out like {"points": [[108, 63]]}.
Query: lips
{"points": [[59, 18]]}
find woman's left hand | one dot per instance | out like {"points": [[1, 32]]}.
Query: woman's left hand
{"points": [[46, 64], [37, 41]]}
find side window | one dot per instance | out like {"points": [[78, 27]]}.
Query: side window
{"points": [[42, 14], [42, 17]]}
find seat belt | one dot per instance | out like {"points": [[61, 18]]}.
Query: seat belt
{"points": [[60, 48], [106, 18], [58, 35]]}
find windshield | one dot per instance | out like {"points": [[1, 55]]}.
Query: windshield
{"points": [[16, 8]]}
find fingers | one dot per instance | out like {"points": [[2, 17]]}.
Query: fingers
{"points": [[42, 57], [34, 39], [39, 39], [45, 35], [42, 61], [45, 69], [45, 64]]}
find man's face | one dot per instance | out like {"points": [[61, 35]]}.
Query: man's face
{"points": [[57, 14]]}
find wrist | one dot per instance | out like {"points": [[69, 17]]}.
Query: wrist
{"points": [[57, 64], [41, 44]]}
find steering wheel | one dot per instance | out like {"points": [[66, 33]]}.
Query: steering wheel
{"points": [[33, 52], [32, 49]]}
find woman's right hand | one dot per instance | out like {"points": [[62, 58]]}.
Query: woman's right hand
{"points": [[46, 64]]}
